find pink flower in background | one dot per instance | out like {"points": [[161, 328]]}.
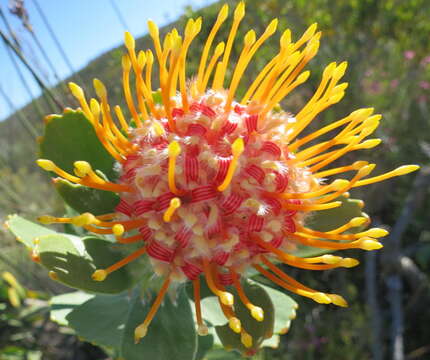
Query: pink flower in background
{"points": [[394, 83], [375, 87], [409, 54], [424, 85], [426, 60]]}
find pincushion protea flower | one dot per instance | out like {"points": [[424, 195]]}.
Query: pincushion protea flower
{"points": [[214, 185]]}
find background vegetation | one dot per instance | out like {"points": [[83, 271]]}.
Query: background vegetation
{"points": [[386, 43]]}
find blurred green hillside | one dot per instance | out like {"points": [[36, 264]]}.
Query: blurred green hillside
{"points": [[386, 43]]}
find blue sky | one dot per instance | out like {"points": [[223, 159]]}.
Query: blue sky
{"points": [[86, 28]]}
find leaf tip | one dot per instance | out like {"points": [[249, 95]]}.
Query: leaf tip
{"points": [[68, 110], [284, 330], [293, 315], [53, 275], [48, 118]]}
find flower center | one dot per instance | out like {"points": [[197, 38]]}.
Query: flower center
{"points": [[205, 191]]}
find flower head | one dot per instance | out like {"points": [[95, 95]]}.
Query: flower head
{"points": [[213, 185]]}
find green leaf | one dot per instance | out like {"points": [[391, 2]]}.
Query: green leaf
{"points": [[309, 251], [71, 137], [101, 319], [85, 199], [221, 354], [259, 330], [282, 311], [204, 289], [62, 305], [273, 342], [171, 334], [285, 309], [331, 219], [71, 258], [81, 143], [74, 260], [26, 231], [204, 344], [105, 320], [212, 311]]}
